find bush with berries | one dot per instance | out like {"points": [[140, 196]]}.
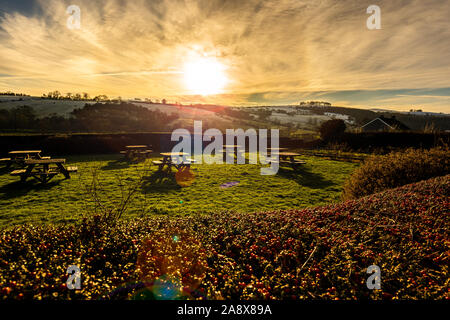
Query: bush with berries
{"points": [[316, 253]]}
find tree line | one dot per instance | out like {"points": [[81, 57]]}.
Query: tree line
{"points": [[10, 93], [83, 96], [99, 117]]}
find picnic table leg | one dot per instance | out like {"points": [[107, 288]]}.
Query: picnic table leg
{"points": [[161, 167], [291, 160], [63, 170], [44, 175], [27, 173], [129, 155], [166, 162]]}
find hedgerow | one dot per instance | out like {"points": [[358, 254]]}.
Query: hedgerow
{"points": [[317, 253], [396, 169]]}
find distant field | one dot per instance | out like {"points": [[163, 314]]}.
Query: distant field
{"points": [[62, 201]]}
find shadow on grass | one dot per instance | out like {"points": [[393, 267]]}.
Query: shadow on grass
{"points": [[116, 165], [18, 188], [91, 157], [305, 177], [5, 170], [159, 182]]}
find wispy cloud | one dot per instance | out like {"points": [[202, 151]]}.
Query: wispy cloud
{"points": [[275, 51]]}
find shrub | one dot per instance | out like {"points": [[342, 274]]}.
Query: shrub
{"points": [[331, 129], [383, 172], [316, 253]]}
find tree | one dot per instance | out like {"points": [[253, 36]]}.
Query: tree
{"points": [[332, 129], [22, 117], [101, 97], [54, 94]]}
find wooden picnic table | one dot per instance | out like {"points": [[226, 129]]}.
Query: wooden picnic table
{"points": [[177, 160], [136, 152], [271, 151], [289, 158], [288, 155], [43, 170], [19, 157]]}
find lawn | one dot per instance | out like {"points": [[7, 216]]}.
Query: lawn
{"points": [[319, 182]]}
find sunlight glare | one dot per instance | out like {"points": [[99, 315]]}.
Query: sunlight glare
{"points": [[205, 76]]}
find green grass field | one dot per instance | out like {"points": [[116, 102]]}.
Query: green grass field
{"points": [[64, 201]]}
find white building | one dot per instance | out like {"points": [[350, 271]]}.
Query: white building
{"points": [[344, 117]]}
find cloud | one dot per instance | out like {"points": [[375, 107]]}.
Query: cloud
{"points": [[276, 50]]}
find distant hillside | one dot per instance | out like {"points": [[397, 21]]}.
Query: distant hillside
{"points": [[42, 107], [362, 116], [291, 117]]}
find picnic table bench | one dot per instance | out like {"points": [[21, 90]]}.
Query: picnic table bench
{"points": [[136, 152], [41, 170], [176, 160]]}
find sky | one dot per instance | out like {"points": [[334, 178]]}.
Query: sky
{"points": [[270, 52]]}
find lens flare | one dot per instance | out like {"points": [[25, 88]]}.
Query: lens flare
{"points": [[184, 177], [172, 264]]}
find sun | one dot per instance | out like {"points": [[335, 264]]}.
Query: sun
{"points": [[205, 76]]}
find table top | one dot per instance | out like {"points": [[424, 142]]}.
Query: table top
{"points": [[231, 146], [288, 154], [136, 147], [169, 154], [277, 149], [227, 150], [24, 152], [44, 161]]}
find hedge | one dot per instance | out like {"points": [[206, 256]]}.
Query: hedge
{"points": [[316, 253], [379, 173]]}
